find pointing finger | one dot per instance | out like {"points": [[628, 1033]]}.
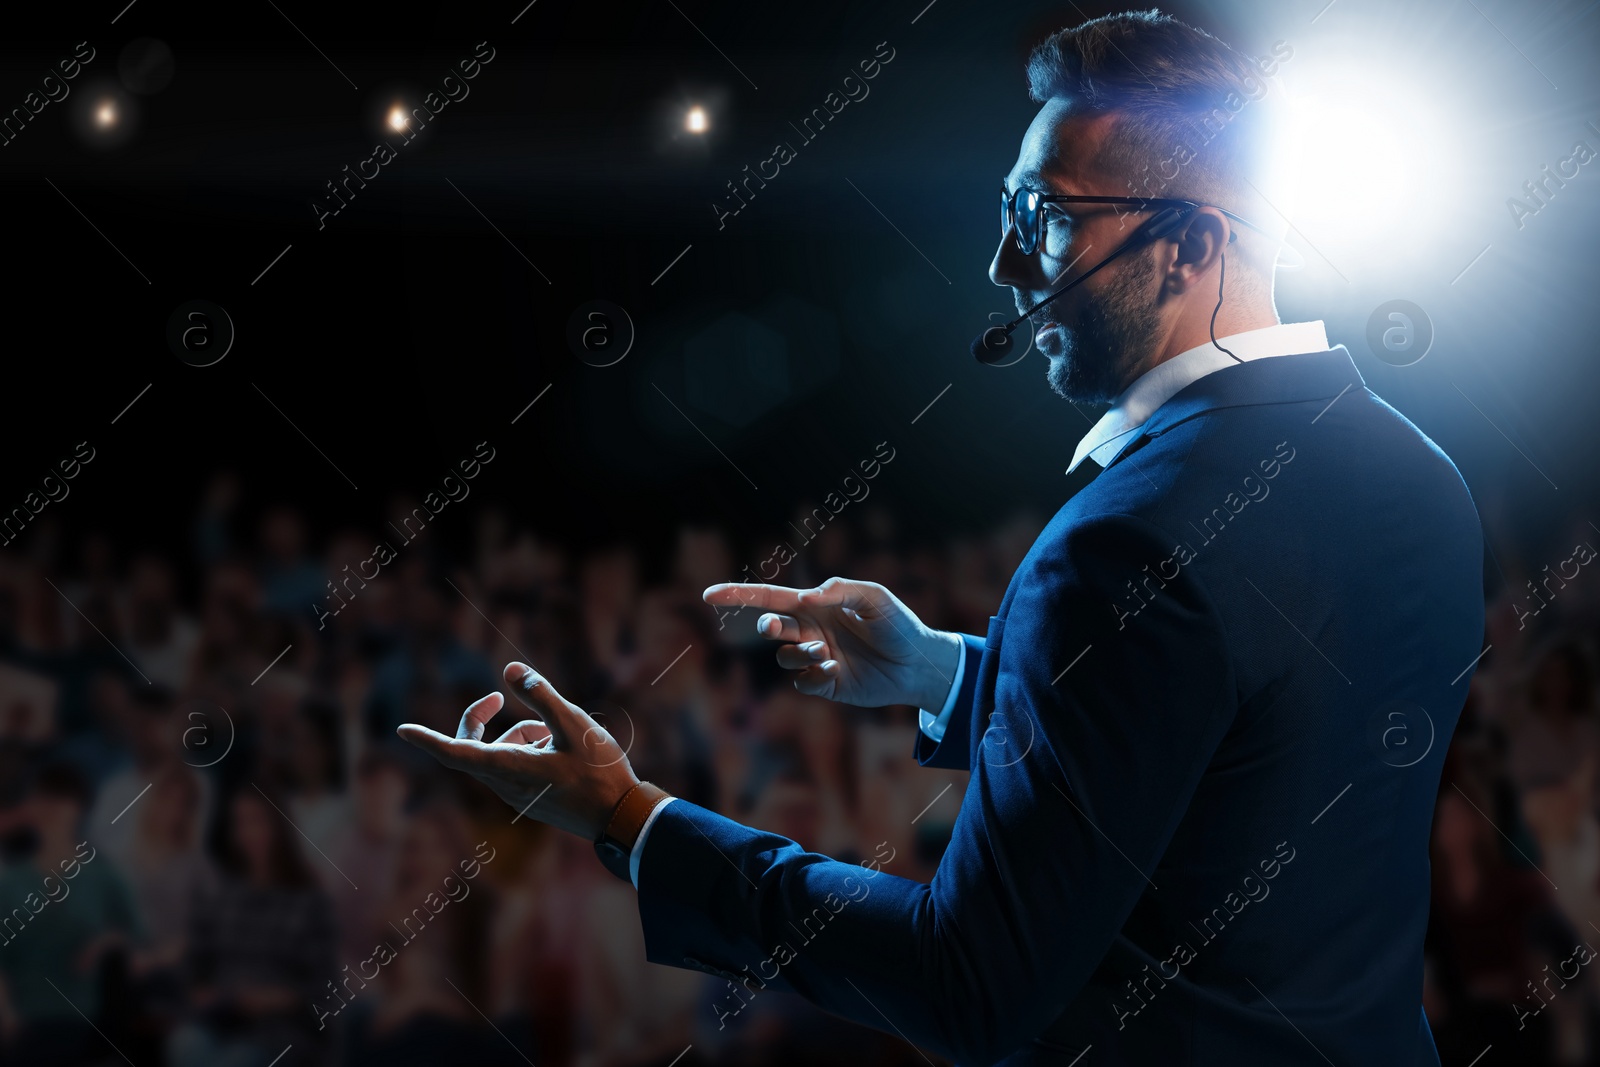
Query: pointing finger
{"points": [[477, 716], [752, 595], [863, 598]]}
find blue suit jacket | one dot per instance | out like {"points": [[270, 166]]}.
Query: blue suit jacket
{"points": [[1205, 731]]}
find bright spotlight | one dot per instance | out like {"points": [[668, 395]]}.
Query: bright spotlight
{"points": [[103, 114], [1371, 177], [696, 121], [397, 117], [1359, 154]]}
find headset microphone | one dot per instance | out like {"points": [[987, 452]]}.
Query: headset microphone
{"points": [[994, 345]]}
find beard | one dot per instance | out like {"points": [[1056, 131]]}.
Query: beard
{"points": [[1114, 333]]}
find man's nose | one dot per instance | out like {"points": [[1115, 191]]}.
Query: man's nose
{"points": [[1010, 266]]}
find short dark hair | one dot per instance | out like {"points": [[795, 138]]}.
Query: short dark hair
{"points": [[1180, 95]]}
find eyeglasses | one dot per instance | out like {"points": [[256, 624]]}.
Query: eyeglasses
{"points": [[1022, 211]]}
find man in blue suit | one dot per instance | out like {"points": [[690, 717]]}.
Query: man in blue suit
{"points": [[1206, 724]]}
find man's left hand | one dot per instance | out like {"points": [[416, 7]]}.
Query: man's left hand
{"points": [[562, 768]]}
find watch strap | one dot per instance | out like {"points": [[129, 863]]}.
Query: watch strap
{"points": [[630, 813], [615, 844]]}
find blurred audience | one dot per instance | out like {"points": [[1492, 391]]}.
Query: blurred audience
{"points": [[261, 948], [310, 916], [68, 910]]}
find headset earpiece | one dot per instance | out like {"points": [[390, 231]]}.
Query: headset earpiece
{"points": [[993, 345]]}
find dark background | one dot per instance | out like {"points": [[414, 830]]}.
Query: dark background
{"points": [[408, 326], [769, 360]]}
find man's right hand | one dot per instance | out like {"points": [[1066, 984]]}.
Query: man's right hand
{"points": [[850, 641]]}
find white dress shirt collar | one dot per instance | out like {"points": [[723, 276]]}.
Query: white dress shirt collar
{"points": [[1162, 382]]}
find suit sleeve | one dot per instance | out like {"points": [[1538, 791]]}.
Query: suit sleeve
{"points": [[1111, 717], [954, 750]]}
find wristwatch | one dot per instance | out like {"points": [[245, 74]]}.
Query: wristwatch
{"points": [[614, 846]]}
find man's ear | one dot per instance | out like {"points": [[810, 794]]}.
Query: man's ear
{"points": [[1201, 241]]}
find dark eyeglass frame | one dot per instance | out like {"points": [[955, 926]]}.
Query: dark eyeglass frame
{"points": [[1030, 233]]}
